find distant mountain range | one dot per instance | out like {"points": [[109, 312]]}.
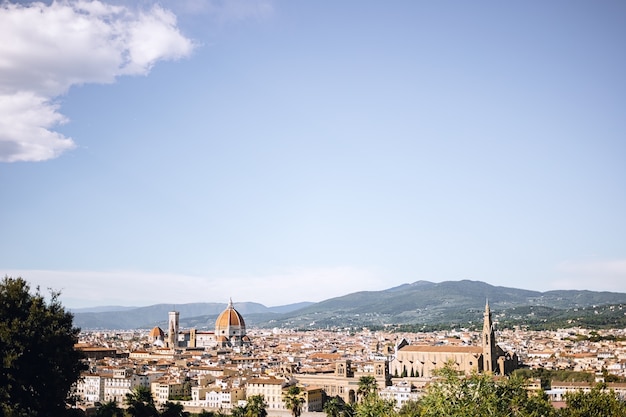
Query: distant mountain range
{"points": [[198, 315], [422, 303]]}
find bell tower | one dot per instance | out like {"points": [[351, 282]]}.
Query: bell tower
{"points": [[489, 342], [172, 335]]}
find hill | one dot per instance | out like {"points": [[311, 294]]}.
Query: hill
{"points": [[422, 303], [198, 315]]}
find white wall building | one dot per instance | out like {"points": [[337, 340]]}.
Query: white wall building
{"points": [[90, 388], [122, 382], [399, 393]]}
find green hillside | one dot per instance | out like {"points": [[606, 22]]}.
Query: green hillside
{"points": [[421, 304]]}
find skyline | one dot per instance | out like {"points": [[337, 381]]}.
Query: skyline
{"points": [[192, 151]]}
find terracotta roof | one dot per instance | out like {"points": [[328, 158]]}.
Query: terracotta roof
{"points": [[229, 317], [266, 381], [323, 355], [156, 332], [442, 349]]}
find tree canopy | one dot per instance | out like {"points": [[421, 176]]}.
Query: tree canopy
{"points": [[294, 400], [140, 403], [367, 386], [255, 407], [39, 362], [478, 395], [336, 407], [172, 409], [481, 395], [598, 402], [109, 409]]}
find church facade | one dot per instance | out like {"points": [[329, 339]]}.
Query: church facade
{"points": [[421, 361]]}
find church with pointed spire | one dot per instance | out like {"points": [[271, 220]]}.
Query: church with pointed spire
{"points": [[490, 349], [420, 361]]}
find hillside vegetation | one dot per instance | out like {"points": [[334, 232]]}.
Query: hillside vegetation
{"points": [[421, 305]]}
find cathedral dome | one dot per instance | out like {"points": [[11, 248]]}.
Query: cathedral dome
{"points": [[157, 333], [229, 318], [230, 328]]}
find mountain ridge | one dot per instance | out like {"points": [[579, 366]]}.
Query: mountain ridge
{"points": [[422, 302]]}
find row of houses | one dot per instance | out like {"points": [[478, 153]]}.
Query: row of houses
{"points": [[204, 392]]}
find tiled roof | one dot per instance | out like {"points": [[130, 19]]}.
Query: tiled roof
{"points": [[442, 349], [229, 317]]}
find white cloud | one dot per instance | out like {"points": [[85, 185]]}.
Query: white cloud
{"points": [[46, 49], [132, 288], [25, 122], [597, 275]]}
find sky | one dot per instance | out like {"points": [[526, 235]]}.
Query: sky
{"points": [[283, 151]]}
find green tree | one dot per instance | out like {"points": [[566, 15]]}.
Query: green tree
{"points": [[367, 387], [256, 406], [454, 395], [140, 403], [348, 410], [333, 407], [205, 413], [109, 409], [75, 412], [39, 362], [598, 402], [294, 400], [374, 406], [238, 411], [172, 409], [410, 409]]}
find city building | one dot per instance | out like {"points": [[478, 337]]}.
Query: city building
{"points": [[172, 335], [400, 393], [230, 331], [343, 379], [165, 389], [157, 337], [421, 361], [230, 328], [270, 388], [122, 382], [90, 387]]}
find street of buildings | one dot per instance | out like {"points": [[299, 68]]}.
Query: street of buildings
{"points": [[221, 374]]}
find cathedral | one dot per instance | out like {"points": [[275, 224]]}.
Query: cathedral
{"points": [[230, 331], [421, 360]]}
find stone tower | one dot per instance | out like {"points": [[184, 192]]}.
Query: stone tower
{"points": [[172, 334], [489, 342]]}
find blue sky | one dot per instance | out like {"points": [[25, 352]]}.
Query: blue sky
{"points": [[285, 151]]}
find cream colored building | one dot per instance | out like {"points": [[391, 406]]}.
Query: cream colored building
{"points": [[216, 398], [274, 390], [270, 388], [343, 381], [420, 361], [165, 389], [313, 399]]}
